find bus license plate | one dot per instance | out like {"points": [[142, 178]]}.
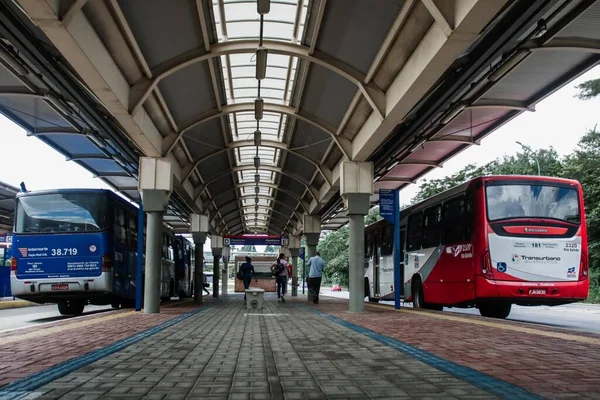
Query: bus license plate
{"points": [[60, 286], [537, 291]]}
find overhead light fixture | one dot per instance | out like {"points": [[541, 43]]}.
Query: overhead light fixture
{"points": [[58, 104], [119, 161], [393, 165], [255, 208], [453, 113], [261, 63], [13, 63], [257, 137], [422, 144], [509, 64], [263, 6], [256, 178], [256, 162], [256, 200], [256, 190], [259, 106], [98, 141]]}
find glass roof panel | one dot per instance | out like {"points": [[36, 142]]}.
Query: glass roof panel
{"points": [[235, 20]]}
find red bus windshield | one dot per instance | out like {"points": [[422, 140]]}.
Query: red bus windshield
{"points": [[508, 201]]}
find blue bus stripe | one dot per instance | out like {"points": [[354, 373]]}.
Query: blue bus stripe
{"points": [[23, 387], [476, 378]]}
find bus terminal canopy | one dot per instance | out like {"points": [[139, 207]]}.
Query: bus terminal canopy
{"points": [[406, 84]]}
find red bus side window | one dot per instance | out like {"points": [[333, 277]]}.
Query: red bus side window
{"points": [[414, 236]]}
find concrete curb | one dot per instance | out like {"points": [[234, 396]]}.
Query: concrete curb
{"points": [[4, 305]]}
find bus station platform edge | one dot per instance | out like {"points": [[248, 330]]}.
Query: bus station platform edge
{"points": [[295, 351]]}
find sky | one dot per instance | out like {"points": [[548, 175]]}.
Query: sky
{"points": [[560, 121]]}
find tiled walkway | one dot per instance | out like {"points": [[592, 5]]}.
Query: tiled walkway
{"points": [[296, 351], [285, 351]]}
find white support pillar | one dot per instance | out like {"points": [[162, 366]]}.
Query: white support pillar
{"points": [[216, 244], [356, 187], [155, 186], [224, 273], [294, 247], [199, 230], [312, 232]]}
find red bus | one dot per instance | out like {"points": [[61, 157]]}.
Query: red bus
{"points": [[489, 243]]}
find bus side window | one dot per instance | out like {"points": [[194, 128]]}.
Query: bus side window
{"points": [[454, 225], [468, 217], [119, 223], [432, 226], [414, 236], [387, 242], [368, 245]]}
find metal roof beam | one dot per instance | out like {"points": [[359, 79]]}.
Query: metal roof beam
{"points": [[302, 203], [142, 89], [171, 140], [324, 171], [260, 196], [249, 167], [506, 104]]}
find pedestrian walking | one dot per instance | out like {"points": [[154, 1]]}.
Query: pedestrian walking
{"points": [[280, 270], [315, 275], [246, 273]]}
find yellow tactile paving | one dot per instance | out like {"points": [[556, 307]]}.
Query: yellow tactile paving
{"points": [[61, 328], [498, 325]]}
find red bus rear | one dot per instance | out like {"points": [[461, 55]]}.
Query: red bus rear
{"points": [[497, 241]]}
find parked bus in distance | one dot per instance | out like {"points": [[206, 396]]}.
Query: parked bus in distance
{"points": [[75, 247], [489, 243]]}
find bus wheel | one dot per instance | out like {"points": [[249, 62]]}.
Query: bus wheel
{"points": [[76, 307], [417, 294], [495, 310], [115, 304], [367, 289], [373, 300], [63, 308]]}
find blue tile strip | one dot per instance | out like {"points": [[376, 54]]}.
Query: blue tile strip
{"points": [[476, 378], [18, 389]]}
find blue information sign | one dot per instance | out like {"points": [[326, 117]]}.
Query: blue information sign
{"points": [[386, 203], [301, 255], [255, 240]]}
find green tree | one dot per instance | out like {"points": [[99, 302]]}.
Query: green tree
{"points": [[334, 250], [271, 249], [373, 216], [588, 89], [522, 163], [248, 249], [583, 165]]}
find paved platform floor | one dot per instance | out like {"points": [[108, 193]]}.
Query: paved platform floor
{"points": [[297, 351]]}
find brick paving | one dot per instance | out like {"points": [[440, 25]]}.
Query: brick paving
{"points": [[26, 351], [284, 351], [554, 368], [287, 351]]}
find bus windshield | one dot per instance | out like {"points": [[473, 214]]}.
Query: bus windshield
{"points": [[509, 201], [61, 213]]}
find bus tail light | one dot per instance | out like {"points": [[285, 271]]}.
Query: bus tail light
{"points": [[106, 264], [583, 267], [486, 267], [13, 265]]}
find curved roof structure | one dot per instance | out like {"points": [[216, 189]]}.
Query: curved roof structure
{"points": [[406, 84]]}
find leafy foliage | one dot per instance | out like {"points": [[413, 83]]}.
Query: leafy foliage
{"points": [[271, 249], [248, 249], [373, 216], [583, 165], [334, 250], [522, 163], [589, 89]]}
